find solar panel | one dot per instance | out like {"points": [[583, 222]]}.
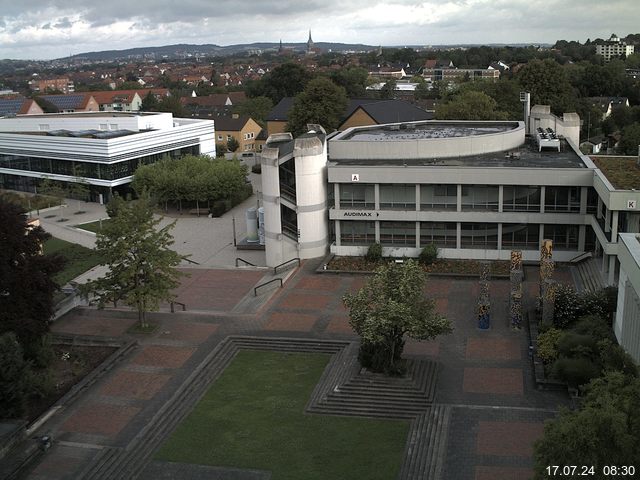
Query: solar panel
{"points": [[10, 107], [65, 102]]}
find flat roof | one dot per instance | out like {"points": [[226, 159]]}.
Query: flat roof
{"points": [[622, 172], [91, 114], [418, 131], [525, 156]]}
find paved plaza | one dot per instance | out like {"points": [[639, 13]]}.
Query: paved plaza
{"points": [[485, 377]]}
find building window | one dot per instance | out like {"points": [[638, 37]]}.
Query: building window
{"points": [[479, 235], [103, 126], [565, 237], [592, 201], [44, 127], [480, 197], [438, 197], [442, 234], [113, 126], [398, 196], [398, 234], [357, 233], [562, 199], [520, 236], [357, 196], [521, 198]]}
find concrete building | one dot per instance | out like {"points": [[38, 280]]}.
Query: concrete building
{"points": [[244, 129], [614, 48], [475, 189], [63, 85], [627, 323], [100, 149]]}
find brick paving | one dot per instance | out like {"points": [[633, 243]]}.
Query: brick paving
{"points": [[163, 356], [485, 376], [100, 419], [507, 438], [137, 385], [497, 381]]}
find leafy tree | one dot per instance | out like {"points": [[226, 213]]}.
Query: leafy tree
{"points": [[171, 104], [321, 102], [286, 80], [232, 144], [353, 79], [422, 91], [142, 267], [391, 305], [470, 105], [26, 284], [388, 90], [604, 431], [149, 103], [256, 108], [548, 84], [630, 141], [14, 371]]}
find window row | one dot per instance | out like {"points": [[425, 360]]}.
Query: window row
{"points": [[444, 234], [473, 197]]}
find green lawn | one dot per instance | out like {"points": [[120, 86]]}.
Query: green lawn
{"points": [[253, 417], [79, 258], [93, 226]]}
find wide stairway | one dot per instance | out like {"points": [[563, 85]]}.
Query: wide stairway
{"points": [[587, 275]]}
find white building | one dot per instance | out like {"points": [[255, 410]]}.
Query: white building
{"points": [[627, 324], [614, 48], [103, 149]]}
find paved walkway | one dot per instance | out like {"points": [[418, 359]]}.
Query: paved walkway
{"points": [[485, 377]]}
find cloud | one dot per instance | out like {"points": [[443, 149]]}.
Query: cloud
{"points": [[89, 25]]}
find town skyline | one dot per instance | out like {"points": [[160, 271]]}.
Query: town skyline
{"points": [[33, 31]]}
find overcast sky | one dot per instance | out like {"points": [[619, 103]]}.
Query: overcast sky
{"points": [[45, 29]]}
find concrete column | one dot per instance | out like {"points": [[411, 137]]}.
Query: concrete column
{"points": [[603, 267], [598, 215], [541, 236], [459, 199], [614, 226], [582, 232], [417, 197], [336, 195], [500, 230], [417, 234], [337, 231], [377, 231], [583, 200], [612, 270], [543, 194], [500, 201], [376, 197], [607, 221], [458, 233]]}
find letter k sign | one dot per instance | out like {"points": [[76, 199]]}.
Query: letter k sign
{"points": [[355, 177]]}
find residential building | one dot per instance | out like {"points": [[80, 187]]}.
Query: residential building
{"points": [[244, 129], [613, 48], [607, 104], [17, 105], [118, 100], [100, 149], [73, 102], [64, 85], [437, 74]]}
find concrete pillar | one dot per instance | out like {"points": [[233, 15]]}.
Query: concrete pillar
{"points": [[541, 236], [582, 232], [458, 235], [417, 234], [543, 194], [336, 195], [607, 221], [376, 196], [377, 231], [612, 270], [417, 197], [583, 200], [614, 226], [459, 199], [499, 236], [598, 214], [337, 232], [500, 200]]}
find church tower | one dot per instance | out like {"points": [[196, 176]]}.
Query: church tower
{"points": [[310, 45]]}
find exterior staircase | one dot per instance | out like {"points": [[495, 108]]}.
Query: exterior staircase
{"points": [[587, 275]]}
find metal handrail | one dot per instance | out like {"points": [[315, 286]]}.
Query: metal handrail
{"points": [[255, 290], [243, 260], [275, 269], [184, 307], [190, 261], [581, 257]]}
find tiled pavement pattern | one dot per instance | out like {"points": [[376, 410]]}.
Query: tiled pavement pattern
{"points": [[485, 379]]}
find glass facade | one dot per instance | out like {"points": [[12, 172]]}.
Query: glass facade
{"points": [[562, 199], [398, 196], [357, 233], [520, 235], [357, 196], [398, 234], [480, 197], [479, 235], [565, 237], [442, 234], [438, 197], [520, 199]]}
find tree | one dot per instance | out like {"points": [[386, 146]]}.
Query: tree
{"points": [[604, 431], [470, 105], [171, 104], [142, 268], [321, 102], [286, 80], [630, 140], [388, 90], [232, 144], [391, 305], [13, 376], [26, 283], [548, 84], [149, 103], [353, 79], [422, 91], [256, 108]]}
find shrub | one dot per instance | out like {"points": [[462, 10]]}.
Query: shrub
{"points": [[218, 208], [575, 371], [374, 253], [614, 357], [567, 306], [571, 344], [548, 344], [257, 168], [429, 254], [593, 325]]}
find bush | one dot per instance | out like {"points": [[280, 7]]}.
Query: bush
{"points": [[572, 344], [593, 325], [14, 370], [614, 357], [428, 255], [374, 253], [548, 344], [575, 371], [218, 208], [567, 306], [257, 168]]}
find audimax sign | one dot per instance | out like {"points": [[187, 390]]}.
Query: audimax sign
{"points": [[360, 214]]}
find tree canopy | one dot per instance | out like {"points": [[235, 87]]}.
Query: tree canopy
{"points": [[470, 105], [286, 80], [353, 79], [142, 267], [321, 102], [548, 84], [391, 305], [257, 108]]}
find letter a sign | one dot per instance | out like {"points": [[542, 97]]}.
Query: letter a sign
{"points": [[355, 177]]}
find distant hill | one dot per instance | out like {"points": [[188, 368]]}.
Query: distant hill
{"points": [[182, 50]]}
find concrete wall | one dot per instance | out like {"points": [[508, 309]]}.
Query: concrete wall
{"points": [[627, 323]]}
